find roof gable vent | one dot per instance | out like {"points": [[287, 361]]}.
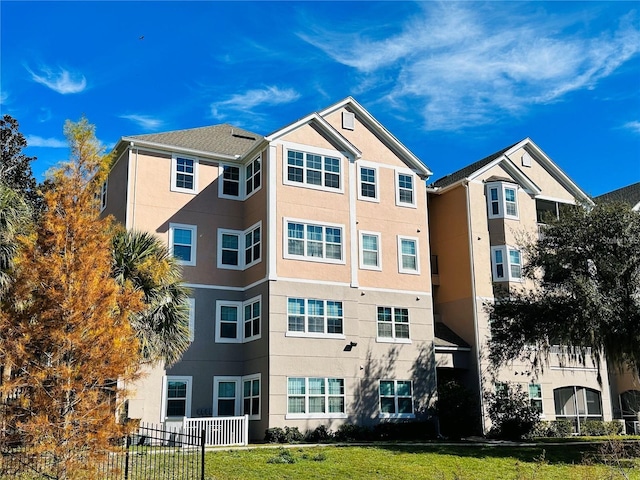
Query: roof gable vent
{"points": [[348, 120], [526, 159]]}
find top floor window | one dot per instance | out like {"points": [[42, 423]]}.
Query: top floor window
{"points": [[319, 169], [405, 189], [184, 174], [502, 200], [230, 181], [367, 180], [253, 176]]}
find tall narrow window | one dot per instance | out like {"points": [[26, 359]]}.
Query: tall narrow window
{"points": [[494, 201], [515, 266], [182, 242], [511, 207], [408, 255], [183, 174], [499, 263], [370, 251], [251, 396], [176, 396], [535, 396], [103, 195], [252, 319], [405, 189], [252, 246], [230, 249], [368, 188], [230, 181], [253, 176], [225, 396], [295, 164], [228, 323]]}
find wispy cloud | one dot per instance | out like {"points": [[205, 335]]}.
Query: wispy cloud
{"points": [[4, 96], [59, 80], [462, 66], [268, 96], [634, 126], [144, 121], [35, 141]]}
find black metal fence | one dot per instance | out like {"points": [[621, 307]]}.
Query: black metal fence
{"points": [[152, 453]]}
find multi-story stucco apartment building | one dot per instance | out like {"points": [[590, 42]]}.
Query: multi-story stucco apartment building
{"points": [[307, 252], [625, 387], [479, 217]]}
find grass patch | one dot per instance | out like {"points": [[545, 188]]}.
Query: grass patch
{"points": [[460, 462]]}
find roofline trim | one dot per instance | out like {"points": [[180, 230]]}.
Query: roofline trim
{"points": [[129, 141]]}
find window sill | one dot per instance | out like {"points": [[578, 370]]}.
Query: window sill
{"points": [[311, 186], [393, 340], [304, 416], [314, 259], [331, 336], [409, 272]]}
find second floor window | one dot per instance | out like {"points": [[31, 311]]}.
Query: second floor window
{"points": [[314, 242], [506, 264], [237, 249], [238, 322], [408, 255], [405, 195], [182, 242], [314, 317], [393, 323]]}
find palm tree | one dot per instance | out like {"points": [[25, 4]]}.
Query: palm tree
{"points": [[141, 260], [15, 216]]}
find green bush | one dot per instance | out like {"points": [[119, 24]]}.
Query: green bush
{"points": [[348, 432], [319, 435], [511, 413], [562, 427], [292, 435], [274, 435], [598, 428], [458, 410]]}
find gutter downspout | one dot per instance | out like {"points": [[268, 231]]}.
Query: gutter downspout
{"points": [[475, 306], [135, 189]]}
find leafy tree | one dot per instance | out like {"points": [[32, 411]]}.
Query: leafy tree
{"points": [[66, 337], [15, 169], [511, 413], [586, 272], [142, 261], [15, 217]]}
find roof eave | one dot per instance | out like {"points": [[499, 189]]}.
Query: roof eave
{"points": [[132, 142]]}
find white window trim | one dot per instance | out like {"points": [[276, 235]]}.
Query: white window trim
{"points": [[373, 167], [239, 338], [238, 405], [103, 195], [194, 242], [396, 415], [392, 338], [502, 204], [250, 378], [361, 248], [241, 234], [289, 416], [414, 183], [191, 305], [253, 300], [401, 269], [174, 173], [324, 152], [245, 179], [506, 264], [240, 168], [165, 392], [305, 258], [306, 334]]}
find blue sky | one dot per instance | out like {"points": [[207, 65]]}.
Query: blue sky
{"points": [[453, 81]]}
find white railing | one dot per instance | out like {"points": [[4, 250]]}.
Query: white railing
{"points": [[219, 431]]}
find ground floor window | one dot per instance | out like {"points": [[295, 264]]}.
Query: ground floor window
{"points": [[234, 396], [177, 396], [396, 398], [315, 397], [577, 404], [535, 396]]}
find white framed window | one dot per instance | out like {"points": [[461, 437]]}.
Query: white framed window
{"points": [[314, 242], [229, 182], [251, 396], [405, 188], [312, 167], [184, 174], [370, 253], [238, 250], [393, 324], [238, 322], [191, 305], [103, 195], [252, 245], [182, 243], [506, 263], [502, 200], [253, 176], [314, 397], [252, 318], [408, 258], [396, 399], [176, 396], [226, 396], [368, 183], [535, 396], [308, 317]]}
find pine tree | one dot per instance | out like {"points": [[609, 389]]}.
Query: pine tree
{"points": [[66, 342]]}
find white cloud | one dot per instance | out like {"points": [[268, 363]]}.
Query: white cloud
{"points": [[35, 141], [462, 65], [634, 126], [61, 81], [4, 96], [144, 121], [244, 102]]}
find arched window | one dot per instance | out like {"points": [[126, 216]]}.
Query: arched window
{"points": [[577, 404]]}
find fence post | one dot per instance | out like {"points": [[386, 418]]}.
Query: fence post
{"points": [[203, 436], [126, 457], [246, 430]]}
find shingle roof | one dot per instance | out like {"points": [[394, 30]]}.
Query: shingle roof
{"points": [[445, 337], [469, 169], [629, 194], [222, 139]]}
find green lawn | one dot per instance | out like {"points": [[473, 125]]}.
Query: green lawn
{"points": [[460, 462]]}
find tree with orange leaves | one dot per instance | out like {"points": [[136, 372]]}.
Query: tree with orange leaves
{"points": [[65, 339]]}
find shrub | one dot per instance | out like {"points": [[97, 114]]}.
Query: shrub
{"points": [[274, 435], [320, 434], [599, 428], [562, 427], [292, 435], [511, 413], [284, 456], [352, 433], [458, 410]]}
